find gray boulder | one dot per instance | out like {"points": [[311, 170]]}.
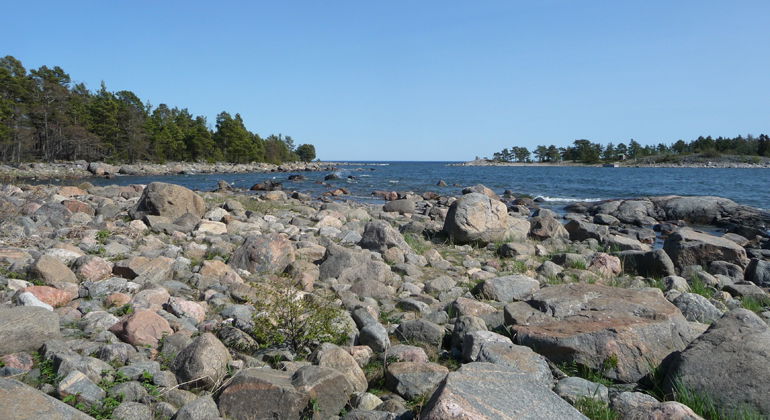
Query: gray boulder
{"points": [[22, 402], [546, 227], [411, 380], [655, 263], [688, 247], [203, 361], [379, 235], [399, 206], [261, 393], [326, 387], [620, 331], [264, 254], [758, 272], [476, 218], [728, 363], [580, 231], [507, 288], [420, 331], [26, 328], [697, 308], [168, 200], [487, 391], [520, 358], [574, 388]]}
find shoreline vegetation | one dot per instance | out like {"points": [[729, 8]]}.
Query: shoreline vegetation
{"points": [[46, 116], [688, 161], [707, 152]]}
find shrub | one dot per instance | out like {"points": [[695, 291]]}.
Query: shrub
{"points": [[287, 317]]}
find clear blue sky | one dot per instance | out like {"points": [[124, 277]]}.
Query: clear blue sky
{"points": [[422, 80]]}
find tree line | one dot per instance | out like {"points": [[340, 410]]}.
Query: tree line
{"points": [[45, 116], [585, 151]]}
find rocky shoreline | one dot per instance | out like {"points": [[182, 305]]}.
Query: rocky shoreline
{"points": [[83, 169], [142, 302]]}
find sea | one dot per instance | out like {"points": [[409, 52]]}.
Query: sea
{"points": [[556, 186]]}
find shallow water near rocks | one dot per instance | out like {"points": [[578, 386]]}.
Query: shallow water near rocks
{"points": [[556, 185]]}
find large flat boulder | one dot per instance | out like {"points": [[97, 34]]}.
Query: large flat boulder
{"points": [[729, 363], [690, 247], [26, 328], [168, 200], [22, 402], [622, 332], [486, 391]]}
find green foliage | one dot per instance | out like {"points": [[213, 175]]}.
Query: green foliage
{"points": [[285, 316], [47, 371], [306, 152], [575, 369], [596, 409], [45, 116], [699, 287], [704, 405], [577, 264], [755, 303], [418, 244], [585, 151], [102, 236], [126, 309], [147, 382]]}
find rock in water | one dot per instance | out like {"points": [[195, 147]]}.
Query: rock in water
{"points": [[476, 218], [486, 391], [168, 200], [729, 363], [623, 332]]}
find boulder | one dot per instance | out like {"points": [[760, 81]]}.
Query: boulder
{"points": [[201, 408], [546, 227], [264, 254], [654, 263], [331, 356], [83, 389], [420, 331], [203, 361], [580, 231], [149, 270], [697, 308], [326, 387], [689, 247], [476, 218], [26, 328], [379, 235], [411, 380], [622, 332], [168, 200], [519, 358], [142, 328], [758, 272], [728, 363], [487, 391], [399, 206], [574, 388], [50, 295], [640, 406], [22, 402], [52, 271], [507, 288], [261, 393]]}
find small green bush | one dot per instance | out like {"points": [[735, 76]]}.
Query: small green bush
{"points": [[286, 317]]}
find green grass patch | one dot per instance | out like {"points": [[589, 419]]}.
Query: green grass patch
{"points": [[417, 243], [699, 287], [755, 303], [596, 409], [593, 375], [705, 406]]}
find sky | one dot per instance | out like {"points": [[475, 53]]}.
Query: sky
{"points": [[421, 80]]}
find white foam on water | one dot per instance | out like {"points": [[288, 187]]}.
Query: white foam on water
{"points": [[566, 199]]}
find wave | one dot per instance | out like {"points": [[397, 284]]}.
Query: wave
{"points": [[566, 199], [393, 181]]}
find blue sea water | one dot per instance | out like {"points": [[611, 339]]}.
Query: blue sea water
{"points": [[557, 185]]}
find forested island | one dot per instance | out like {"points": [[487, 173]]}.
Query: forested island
{"points": [[587, 152], [46, 116]]}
